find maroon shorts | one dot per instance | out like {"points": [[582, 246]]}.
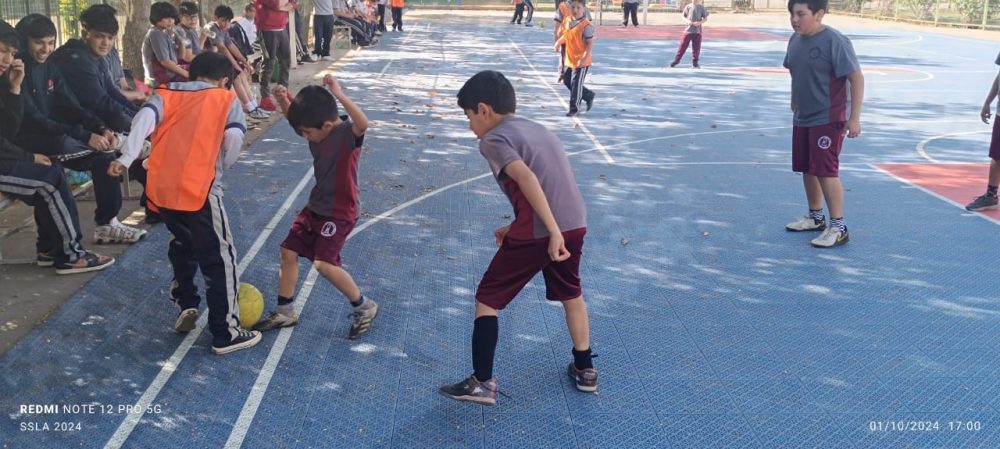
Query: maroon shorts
{"points": [[995, 141], [816, 150], [316, 237], [517, 261]]}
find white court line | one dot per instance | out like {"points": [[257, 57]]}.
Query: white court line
{"points": [[170, 366], [582, 126], [938, 196], [242, 424], [863, 42], [923, 143]]}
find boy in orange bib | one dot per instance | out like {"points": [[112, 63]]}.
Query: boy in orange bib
{"points": [[578, 37], [197, 129]]}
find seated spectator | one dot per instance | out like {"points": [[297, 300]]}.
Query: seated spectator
{"points": [[55, 125], [162, 45], [33, 179], [135, 91], [191, 26], [82, 64], [220, 42], [248, 26], [360, 33]]}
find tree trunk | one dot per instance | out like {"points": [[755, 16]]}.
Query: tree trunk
{"points": [[136, 25]]}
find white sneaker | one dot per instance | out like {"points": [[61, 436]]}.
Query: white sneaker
{"points": [[116, 232], [806, 223], [187, 320], [831, 237], [329, 58], [259, 114]]}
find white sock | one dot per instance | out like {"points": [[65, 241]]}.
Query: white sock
{"points": [[251, 105]]}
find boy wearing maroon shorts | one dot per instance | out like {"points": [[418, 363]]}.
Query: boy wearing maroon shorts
{"points": [[532, 169], [322, 227], [821, 61], [988, 201]]}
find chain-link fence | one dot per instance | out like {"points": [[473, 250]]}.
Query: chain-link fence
{"points": [[962, 13]]}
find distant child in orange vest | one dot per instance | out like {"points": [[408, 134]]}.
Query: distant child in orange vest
{"points": [[578, 37], [322, 227], [197, 130], [397, 14], [518, 12], [563, 13]]}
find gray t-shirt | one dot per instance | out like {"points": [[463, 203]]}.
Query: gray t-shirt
{"points": [[157, 46], [193, 35], [694, 13], [323, 7], [221, 38], [819, 66], [518, 139]]}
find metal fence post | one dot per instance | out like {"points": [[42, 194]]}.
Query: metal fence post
{"points": [[645, 11], [986, 12]]}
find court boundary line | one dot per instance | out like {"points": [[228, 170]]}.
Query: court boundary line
{"points": [[935, 194]]}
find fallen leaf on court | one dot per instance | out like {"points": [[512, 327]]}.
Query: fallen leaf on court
{"points": [[602, 176], [714, 126], [624, 241], [705, 233]]}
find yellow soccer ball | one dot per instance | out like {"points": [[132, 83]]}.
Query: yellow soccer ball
{"points": [[251, 303]]}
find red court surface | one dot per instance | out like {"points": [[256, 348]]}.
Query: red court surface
{"points": [[674, 32], [959, 183]]}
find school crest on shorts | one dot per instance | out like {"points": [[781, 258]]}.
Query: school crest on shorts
{"points": [[329, 229], [824, 142]]}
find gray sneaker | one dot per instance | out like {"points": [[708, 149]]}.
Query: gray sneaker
{"points": [[186, 320], [831, 237], [473, 390], [362, 321], [258, 114], [983, 202], [806, 223], [585, 379], [275, 320], [117, 232]]}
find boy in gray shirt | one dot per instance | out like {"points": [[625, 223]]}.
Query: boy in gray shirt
{"points": [[695, 14], [550, 221], [822, 62]]}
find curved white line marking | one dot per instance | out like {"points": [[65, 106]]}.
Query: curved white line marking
{"points": [[921, 147]]}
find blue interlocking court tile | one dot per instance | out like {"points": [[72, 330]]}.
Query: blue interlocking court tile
{"points": [[715, 328]]}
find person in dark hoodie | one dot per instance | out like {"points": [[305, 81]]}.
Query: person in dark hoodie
{"points": [[32, 178], [82, 64], [55, 125]]}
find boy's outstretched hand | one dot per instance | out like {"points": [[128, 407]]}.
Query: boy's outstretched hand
{"points": [[333, 84], [557, 248]]}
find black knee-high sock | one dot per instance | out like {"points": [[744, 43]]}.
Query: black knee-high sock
{"points": [[484, 344]]}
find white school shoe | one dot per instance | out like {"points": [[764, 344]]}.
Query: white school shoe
{"points": [[117, 232], [831, 237], [806, 223]]}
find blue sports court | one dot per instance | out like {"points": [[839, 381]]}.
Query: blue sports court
{"points": [[714, 326]]}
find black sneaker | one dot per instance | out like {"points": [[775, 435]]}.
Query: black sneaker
{"points": [[362, 320], [571, 113], [473, 390], [589, 101], [245, 339], [674, 64], [695, 65], [585, 379], [45, 259]]}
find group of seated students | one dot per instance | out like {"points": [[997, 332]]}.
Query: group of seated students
{"points": [[361, 16], [62, 107], [176, 36]]}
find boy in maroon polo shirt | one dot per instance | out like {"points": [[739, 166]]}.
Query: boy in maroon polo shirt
{"points": [[322, 227], [532, 169]]}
